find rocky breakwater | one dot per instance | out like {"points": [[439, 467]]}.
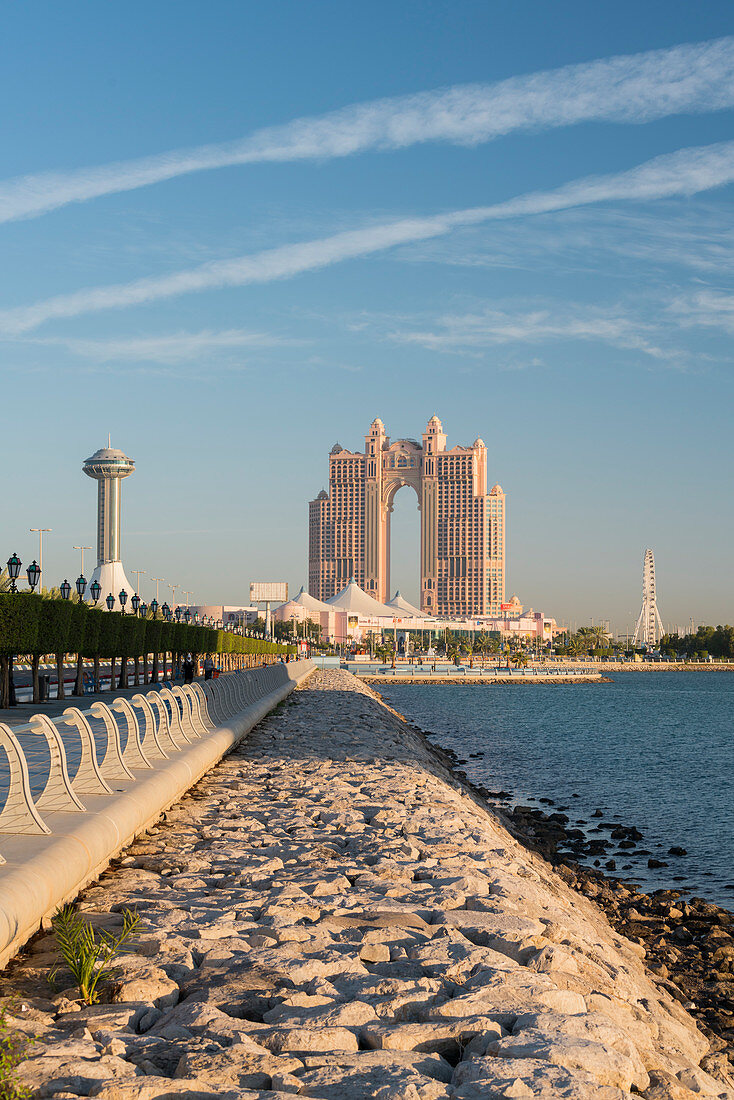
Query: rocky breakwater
{"points": [[331, 913]]}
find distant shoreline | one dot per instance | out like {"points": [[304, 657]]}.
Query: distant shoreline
{"points": [[443, 678]]}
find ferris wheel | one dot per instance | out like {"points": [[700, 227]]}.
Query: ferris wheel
{"points": [[649, 629]]}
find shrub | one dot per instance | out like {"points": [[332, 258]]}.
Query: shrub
{"points": [[13, 1050], [89, 954], [19, 614]]}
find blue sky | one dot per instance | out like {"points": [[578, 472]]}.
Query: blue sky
{"points": [[234, 233]]}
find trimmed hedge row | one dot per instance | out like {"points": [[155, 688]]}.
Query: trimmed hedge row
{"points": [[31, 625]]}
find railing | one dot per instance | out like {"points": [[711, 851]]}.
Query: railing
{"points": [[52, 764], [75, 790]]}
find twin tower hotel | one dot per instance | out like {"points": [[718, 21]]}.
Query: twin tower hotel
{"points": [[462, 545]]}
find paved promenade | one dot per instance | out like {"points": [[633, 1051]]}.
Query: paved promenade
{"points": [[330, 914]]}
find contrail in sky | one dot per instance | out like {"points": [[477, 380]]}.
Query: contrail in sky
{"points": [[685, 172], [631, 89]]}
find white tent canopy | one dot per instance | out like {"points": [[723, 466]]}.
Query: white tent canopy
{"points": [[401, 605], [305, 599], [357, 602]]}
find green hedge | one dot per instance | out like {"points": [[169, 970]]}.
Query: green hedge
{"points": [[54, 625], [93, 623], [19, 615], [30, 624]]}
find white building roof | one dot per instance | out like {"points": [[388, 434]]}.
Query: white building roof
{"points": [[399, 603], [354, 600], [305, 599]]}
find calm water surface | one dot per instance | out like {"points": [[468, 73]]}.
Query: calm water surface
{"points": [[651, 749]]}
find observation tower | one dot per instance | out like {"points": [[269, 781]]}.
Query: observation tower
{"points": [[108, 467]]}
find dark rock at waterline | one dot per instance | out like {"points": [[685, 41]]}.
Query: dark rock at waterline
{"points": [[652, 863], [677, 851], [597, 813]]}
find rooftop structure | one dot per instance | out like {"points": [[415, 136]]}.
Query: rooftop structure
{"points": [[108, 467]]}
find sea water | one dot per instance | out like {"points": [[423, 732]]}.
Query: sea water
{"points": [[653, 750]]}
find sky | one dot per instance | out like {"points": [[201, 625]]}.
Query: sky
{"points": [[233, 234]]}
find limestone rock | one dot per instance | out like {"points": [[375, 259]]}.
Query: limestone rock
{"points": [[151, 984], [524, 1079]]}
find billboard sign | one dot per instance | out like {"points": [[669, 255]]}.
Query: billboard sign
{"points": [[268, 591]]}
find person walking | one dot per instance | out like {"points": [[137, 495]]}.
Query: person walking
{"points": [[208, 667], [188, 669]]}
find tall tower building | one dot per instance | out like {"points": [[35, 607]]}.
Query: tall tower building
{"points": [[108, 467], [462, 550]]}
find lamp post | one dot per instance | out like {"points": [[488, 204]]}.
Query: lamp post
{"points": [[135, 602], [95, 589], [177, 613], [173, 588], [154, 608], [158, 581], [14, 564], [65, 590], [7, 688], [122, 597], [33, 573], [81, 586], [137, 573], [82, 548], [110, 601], [40, 531]]}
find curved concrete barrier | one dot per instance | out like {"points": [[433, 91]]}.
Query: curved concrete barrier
{"points": [[52, 846]]}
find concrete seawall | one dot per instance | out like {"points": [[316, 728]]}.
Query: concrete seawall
{"points": [[43, 870], [331, 913]]}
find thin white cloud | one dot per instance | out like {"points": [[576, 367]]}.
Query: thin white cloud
{"points": [[614, 240], [631, 89], [705, 309], [176, 347], [472, 332], [685, 172]]}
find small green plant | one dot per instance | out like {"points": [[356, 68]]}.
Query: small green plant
{"points": [[88, 954], [13, 1049]]}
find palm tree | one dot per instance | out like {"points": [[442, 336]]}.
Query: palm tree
{"points": [[519, 660]]}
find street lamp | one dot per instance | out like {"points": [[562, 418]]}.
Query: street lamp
{"points": [[65, 590], [154, 607], [187, 615], [135, 602], [40, 531], [14, 564], [177, 613], [122, 597], [166, 612], [94, 590], [81, 586], [110, 601], [143, 610], [34, 574]]}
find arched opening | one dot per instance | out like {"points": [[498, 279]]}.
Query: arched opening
{"points": [[405, 545]]}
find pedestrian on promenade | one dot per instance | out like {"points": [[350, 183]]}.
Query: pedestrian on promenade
{"points": [[208, 667], [188, 669]]}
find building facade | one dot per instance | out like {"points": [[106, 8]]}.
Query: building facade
{"points": [[462, 551]]}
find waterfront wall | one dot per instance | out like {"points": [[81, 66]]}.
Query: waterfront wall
{"points": [[54, 844]]}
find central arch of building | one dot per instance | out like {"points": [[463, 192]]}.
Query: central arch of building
{"points": [[403, 469]]}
